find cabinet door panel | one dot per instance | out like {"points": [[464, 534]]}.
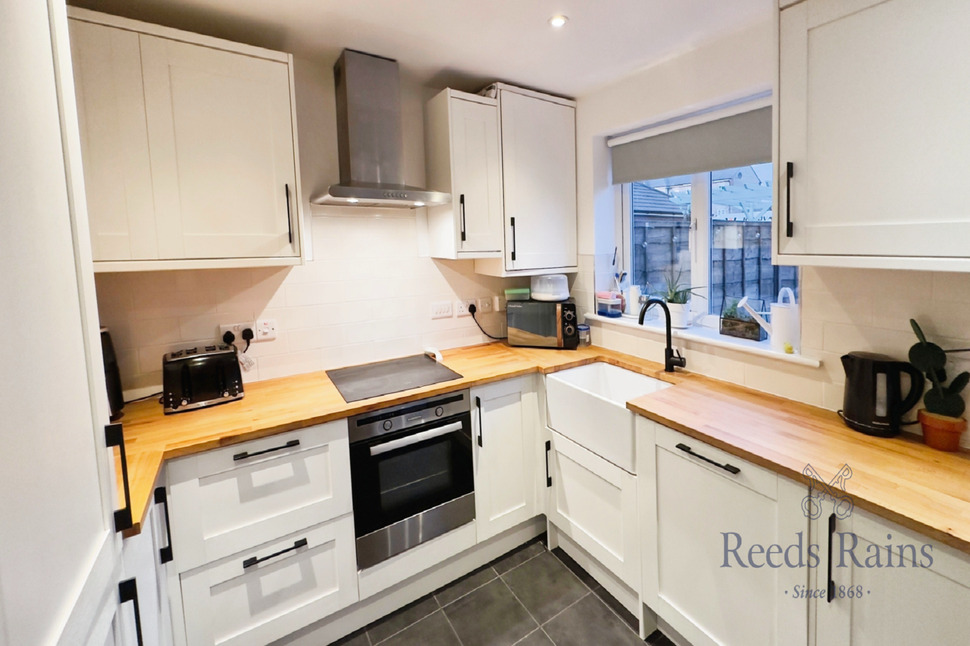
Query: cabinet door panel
{"points": [[539, 166], [114, 139], [869, 115], [222, 154], [477, 174]]}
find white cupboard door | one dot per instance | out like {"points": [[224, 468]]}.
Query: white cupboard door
{"points": [[871, 116], [503, 423], [594, 502], [890, 586], [114, 138], [222, 153], [705, 573], [269, 591], [477, 176], [539, 168]]}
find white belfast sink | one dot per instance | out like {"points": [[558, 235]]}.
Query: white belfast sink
{"points": [[588, 405]]}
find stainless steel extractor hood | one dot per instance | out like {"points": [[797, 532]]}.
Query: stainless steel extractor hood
{"points": [[369, 137]]}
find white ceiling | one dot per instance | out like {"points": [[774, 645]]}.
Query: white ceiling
{"points": [[465, 43]]}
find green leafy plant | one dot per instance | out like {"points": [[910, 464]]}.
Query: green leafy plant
{"points": [[930, 359], [674, 291]]}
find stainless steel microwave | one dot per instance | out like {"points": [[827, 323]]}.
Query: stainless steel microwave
{"points": [[542, 324]]}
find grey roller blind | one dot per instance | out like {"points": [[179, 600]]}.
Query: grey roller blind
{"points": [[738, 140]]}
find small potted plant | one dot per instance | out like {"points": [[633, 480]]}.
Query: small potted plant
{"points": [[942, 420], [677, 296]]}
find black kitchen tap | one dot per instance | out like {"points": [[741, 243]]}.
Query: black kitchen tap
{"points": [[672, 358]]}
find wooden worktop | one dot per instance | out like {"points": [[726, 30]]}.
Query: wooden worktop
{"points": [[900, 479]]}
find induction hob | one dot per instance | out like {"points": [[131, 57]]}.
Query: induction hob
{"points": [[385, 377]]}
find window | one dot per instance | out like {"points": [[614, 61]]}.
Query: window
{"points": [[713, 229]]}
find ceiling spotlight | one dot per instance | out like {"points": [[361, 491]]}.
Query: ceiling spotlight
{"points": [[558, 21]]}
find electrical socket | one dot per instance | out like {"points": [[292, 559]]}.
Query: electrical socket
{"points": [[441, 310], [461, 307], [265, 330], [236, 329], [485, 305]]}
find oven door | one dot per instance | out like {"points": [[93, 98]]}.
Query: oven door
{"points": [[411, 486]]}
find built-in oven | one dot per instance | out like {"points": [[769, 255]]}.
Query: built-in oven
{"points": [[411, 472]]}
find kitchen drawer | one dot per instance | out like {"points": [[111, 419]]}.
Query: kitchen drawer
{"points": [[228, 500], [755, 478], [297, 580]]}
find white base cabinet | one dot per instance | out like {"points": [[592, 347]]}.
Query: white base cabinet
{"points": [[594, 502], [715, 543], [504, 435]]}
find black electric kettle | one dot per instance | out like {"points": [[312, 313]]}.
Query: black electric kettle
{"points": [[873, 403]]}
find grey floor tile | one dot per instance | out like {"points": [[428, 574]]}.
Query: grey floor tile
{"points": [[518, 556], [618, 608], [490, 616], [574, 567], [398, 621], [545, 586], [358, 638], [590, 622], [433, 630], [454, 591], [536, 638]]}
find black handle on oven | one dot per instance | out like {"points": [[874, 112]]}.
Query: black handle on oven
{"points": [[114, 436], [513, 237], [164, 553], [252, 560], [128, 591], [478, 405], [789, 173], [548, 477], [461, 208], [289, 218], [730, 468], [246, 454], [830, 592]]}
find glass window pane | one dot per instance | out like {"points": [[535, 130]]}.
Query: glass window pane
{"points": [[661, 228]]}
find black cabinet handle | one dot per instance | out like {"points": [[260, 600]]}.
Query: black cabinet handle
{"points": [[289, 219], [548, 477], [461, 208], [830, 593], [128, 591], [478, 405], [513, 237], [789, 173], [252, 560], [114, 436], [164, 553], [246, 454], [730, 468]]}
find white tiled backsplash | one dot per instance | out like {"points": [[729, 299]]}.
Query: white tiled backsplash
{"points": [[366, 297], [842, 310]]}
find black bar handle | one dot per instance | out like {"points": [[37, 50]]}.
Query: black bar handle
{"points": [[128, 591], [730, 468], [114, 436], [830, 593], [164, 553], [513, 238], [252, 560], [789, 173], [289, 219], [548, 477], [461, 207], [478, 405], [246, 454]]}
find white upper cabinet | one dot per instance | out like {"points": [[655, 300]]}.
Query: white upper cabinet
{"points": [[464, 159], [539, 184], [190, 150], [871, 116]]}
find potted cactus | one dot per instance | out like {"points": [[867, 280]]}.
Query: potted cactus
{"points": [[942, 420]]}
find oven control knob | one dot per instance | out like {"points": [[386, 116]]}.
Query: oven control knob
{"points": [[387, 424], [569, 330], [439, 411], [569, 315]]}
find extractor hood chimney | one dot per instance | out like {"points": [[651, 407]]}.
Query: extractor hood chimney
{"points": [[369, 141]]}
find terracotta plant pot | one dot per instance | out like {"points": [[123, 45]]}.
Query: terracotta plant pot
{"points": [[940, 431]]}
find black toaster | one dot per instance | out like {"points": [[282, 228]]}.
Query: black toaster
{"points": [[199, 377]]}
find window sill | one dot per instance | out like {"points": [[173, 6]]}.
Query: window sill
{"points": [[700, 334]]}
